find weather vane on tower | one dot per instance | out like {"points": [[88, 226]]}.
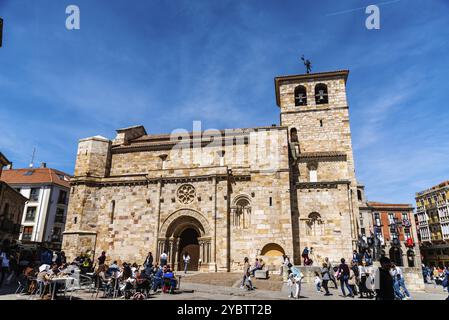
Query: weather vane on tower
{"points": [[307, 63]]}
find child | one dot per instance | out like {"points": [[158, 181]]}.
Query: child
{"points": [[294, 282], [317, 282]]}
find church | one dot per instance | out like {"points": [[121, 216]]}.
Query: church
{"points": [[222, 195]]}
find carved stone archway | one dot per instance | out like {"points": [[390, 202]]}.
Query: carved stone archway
{"points": [[171, 237]]}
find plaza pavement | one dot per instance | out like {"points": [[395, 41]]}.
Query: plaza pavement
{"points": [[205, 291]]}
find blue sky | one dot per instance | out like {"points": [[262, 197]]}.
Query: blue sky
{"points": [[164, 64]]}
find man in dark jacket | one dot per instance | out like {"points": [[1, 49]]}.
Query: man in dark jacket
{"points": [[384, 281]]}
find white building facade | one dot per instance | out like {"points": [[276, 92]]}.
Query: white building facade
{"points": [[45, 211]]}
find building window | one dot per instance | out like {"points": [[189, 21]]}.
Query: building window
{"points": [[56, 236], [59, 217], [112, 211], [293, 135], [163, 158], [27, 232], [62, 198], [390, 218], [300, 96], [321, 123], [34, 194], [221, 155], [407, 234], [242, 214], [377, 219], [313, 177], [404, 216], [30, 214], [359, 195], [314, 225], [321, 94]]}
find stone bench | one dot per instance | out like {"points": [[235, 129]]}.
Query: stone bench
{"points": [[261, 274]]}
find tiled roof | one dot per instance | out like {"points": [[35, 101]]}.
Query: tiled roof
{"points": [[36, 176], [389, 205], [155, 140]]}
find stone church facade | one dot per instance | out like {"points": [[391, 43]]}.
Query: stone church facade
{"points": [[224, 195]]}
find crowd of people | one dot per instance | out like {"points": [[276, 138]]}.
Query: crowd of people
{"points": [[36, 275], [360, 277], [136, 279], [435, 275]]}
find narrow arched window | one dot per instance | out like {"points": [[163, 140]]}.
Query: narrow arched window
{"points": [[300, 96], [293, 135], [321, 94], [112, 211], [359, 195], [314, 224], [242, 214]]}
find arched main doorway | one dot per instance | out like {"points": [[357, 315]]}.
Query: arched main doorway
{"points": [[186, 231], [188, 243]]}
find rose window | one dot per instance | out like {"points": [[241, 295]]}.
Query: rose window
{"points": [[186, 193]]}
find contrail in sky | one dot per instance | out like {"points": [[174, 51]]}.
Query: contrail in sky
{"points": [[362, 8]]}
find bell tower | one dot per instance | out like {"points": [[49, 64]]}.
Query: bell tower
{"points": [[314, 107]]}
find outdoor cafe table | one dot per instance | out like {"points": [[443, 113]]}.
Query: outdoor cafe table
{"points": [[57, 280]]}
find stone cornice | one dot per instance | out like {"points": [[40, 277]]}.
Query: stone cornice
{"points": [[315, 110], [322, 156], [83, 232], [321, 184], [145, 180]]}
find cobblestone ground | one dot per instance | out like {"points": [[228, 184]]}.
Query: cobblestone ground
{"points": [[226, 287]]}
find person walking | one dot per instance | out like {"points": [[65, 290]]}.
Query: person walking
{"points": [[331, 272], [355, 269], [446, 281], [352, 281], [186, 259], [246, 267], [305, 256], [4, 260], [343, 274], [363, 274], [399, 283], [325, 275], [285, 267], [384, 280], [294, 282]]}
